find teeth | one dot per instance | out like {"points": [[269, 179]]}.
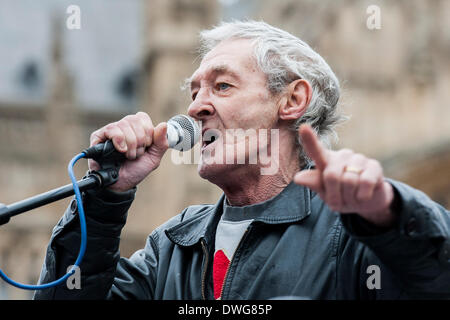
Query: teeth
{"points": [[211, 140]]}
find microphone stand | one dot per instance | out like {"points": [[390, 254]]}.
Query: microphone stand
{"points": [[109, 160]]}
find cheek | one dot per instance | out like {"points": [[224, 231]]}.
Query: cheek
{"points": [[249, 109], [259, 109], [265, 114]]}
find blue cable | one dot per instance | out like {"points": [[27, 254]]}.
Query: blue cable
{"points": [[83, 237]]}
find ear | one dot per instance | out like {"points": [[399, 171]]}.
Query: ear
{"points": [[296, 100]]}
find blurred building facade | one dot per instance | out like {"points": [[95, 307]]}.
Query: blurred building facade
{"points": [[395, 84]]}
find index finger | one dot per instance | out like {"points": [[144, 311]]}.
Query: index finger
{"points": [[312, 145], [112, 132]]}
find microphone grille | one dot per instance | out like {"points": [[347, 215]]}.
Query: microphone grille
{"points": [[191, 132]]}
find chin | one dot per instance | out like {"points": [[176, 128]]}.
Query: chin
{"points": [[220, 174], [214, 167], [211, 172]]}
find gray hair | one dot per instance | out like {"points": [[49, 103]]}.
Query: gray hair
{"points": [[285, 58]]}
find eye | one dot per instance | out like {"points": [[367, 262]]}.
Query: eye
{"points": [[194, 95], [221, 86]]}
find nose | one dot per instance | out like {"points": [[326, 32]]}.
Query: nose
{"points": [[201, 108]]}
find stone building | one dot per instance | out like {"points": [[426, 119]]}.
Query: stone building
{"points": [[395, 84]]}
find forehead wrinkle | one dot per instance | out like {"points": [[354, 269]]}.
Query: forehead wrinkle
{"points": [[212, 71]]}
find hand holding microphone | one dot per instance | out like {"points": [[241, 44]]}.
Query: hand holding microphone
{"points": [[143, 144]]}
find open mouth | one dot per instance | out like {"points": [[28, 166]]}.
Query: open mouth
{"points": [[209, 137], [207, 143]]}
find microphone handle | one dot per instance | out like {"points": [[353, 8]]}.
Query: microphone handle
{"points": [[104, 150]]}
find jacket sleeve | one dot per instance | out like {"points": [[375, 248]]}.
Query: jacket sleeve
{"points": [[135, 277], [106, 213], [416, 250]]}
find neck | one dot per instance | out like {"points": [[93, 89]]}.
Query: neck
{"points": [[245, 185], [254, 191]]}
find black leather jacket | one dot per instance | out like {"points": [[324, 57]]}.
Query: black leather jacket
{"points": [[298, 247]]}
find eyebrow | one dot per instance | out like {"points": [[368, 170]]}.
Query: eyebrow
{"points": [[216, 70]]}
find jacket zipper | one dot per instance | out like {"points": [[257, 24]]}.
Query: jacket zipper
{"points": [[228, 268], [205, 252]]}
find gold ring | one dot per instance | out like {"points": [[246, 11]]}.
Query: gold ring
{"points": [[353, 169]]}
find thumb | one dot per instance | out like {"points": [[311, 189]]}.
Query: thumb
{"points": [[309, 178], [160, 143]]}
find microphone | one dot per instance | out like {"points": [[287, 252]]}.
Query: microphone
{"points": [[182, 134]]}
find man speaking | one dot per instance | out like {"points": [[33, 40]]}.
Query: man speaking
{"points": [[325, 225]]}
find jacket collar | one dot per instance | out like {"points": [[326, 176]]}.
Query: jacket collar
{"points": [[191, 230], [289, 206]]}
